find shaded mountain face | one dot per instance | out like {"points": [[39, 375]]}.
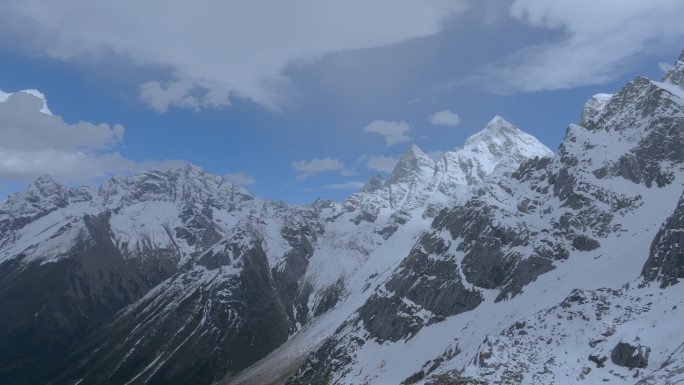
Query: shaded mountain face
{"points": [[500, 262], [70, 259]]}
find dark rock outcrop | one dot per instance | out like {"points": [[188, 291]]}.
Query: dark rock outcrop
{"points": [[630, 356], [665, 263]]}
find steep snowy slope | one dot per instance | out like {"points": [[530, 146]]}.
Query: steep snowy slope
{"points": [[417, 190], [521, 266]]}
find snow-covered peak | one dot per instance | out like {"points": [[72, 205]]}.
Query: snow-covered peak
{"points": [[185, 185], [676, 74], [413, 161], [593, 109], [44, 194], [46, 184], [501, 141]]}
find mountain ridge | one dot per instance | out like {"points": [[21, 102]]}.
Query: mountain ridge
{"points": [[501, 262]]}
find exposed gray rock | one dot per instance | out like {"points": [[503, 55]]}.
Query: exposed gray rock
{"points": [[41, 198], [320, 367], [676, 74], [329, 297], [428, 279], [662, 142], [665, 263], [409, 164], [584, 243], [374, 183], [630, 356], [320, 203], [389, 318], [593, 108]]}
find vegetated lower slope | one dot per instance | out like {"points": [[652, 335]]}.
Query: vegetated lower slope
{"points": [[564, 272]]}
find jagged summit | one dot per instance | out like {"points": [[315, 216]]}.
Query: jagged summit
{"points": [[498, 123], [185, 184], [676, 74], [374, 183], [499, 146], [42, 195], [414, 160], [419, 184], [500, 138], [45, 183], [593, 109]]}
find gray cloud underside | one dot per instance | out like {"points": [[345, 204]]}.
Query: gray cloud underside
{"points": [[33, 143]]}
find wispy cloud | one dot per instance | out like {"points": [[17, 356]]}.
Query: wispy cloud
{"points": [[600, 40], [665, 67], [345, 186], [314, 166], [240, 178]]}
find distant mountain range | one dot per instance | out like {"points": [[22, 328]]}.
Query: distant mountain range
{"points": [[501, 263]]}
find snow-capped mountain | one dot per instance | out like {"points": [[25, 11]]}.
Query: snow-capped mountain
{"points": [[501, 262], [244, 272], [561, 273]]}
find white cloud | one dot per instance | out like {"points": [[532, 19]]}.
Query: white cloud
{"points": [[444, 118], [665, 67], [313, 167], [240, 178], [221, 48], [601, 39], [345, 186], [394, 132], [35, 142], [379, 163]]}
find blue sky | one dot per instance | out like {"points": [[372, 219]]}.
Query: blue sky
{"points": [[303, 99]]}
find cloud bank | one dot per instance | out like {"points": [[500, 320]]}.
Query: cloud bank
{"points": [[216, 49]]}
